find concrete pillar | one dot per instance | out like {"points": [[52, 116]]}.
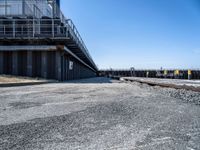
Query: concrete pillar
{"points": [[29, 64], [44, 64], [58, 66], [1, 62], [15, 63]]}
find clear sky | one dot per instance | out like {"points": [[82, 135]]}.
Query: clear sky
{"points": [[138, 33]]}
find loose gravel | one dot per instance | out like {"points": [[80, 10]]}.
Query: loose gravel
{"points": [[100, 114], [186, 95]]}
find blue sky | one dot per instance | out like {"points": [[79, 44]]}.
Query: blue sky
{"points": [[138, 33]]}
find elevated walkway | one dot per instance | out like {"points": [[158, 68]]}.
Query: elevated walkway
{"points": [[45, 30]]}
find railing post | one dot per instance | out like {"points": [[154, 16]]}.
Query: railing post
{"points": [[53, 27], [13, 28], [4, 29], [39, 29], [67, 30], [33, 27], [22, 30]]}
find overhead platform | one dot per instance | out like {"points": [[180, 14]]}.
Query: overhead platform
{"points": [[48, 31]]}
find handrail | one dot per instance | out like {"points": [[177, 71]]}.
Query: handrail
{"points": [[80, 40]]}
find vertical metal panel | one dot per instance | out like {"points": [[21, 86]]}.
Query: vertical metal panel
{"points": [[15, 63], [67, 67], [7, 61], [36, 65], [29, 64], [51, 65], [62, 68], [44, 64], [58, 66], [1, 62], [22, 63], [66, 71]]}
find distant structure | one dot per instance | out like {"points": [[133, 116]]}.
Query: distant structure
{"points": [[152, 73], [37, 40]]}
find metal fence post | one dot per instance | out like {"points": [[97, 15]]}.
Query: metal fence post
{"points": [[4, 29], [53, 27], [13, 28], [39, 29], [33, 28]]}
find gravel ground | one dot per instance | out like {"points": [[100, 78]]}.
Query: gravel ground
{"points": [[97, 113], [186, 95], [194, 83]]}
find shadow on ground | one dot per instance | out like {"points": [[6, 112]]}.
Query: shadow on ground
{"points": [[97, 80]]}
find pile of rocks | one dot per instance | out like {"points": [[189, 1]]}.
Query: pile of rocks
{"points": [[186, 95]]}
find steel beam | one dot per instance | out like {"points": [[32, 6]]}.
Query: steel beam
{"points": [[1, 62], [29, 64], [81, 61], [44, 64], [26, 47], [58, 66], [15, 63]]}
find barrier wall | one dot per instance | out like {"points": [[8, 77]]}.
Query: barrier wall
{"points": [[182, 74], [56, 64]]}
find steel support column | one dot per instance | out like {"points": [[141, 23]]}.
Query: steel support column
{"points": [[66, 68], [14, 63], [14, 27], [29, 64], [58, 66], [1, 62], [63, 67], [44, 64]]}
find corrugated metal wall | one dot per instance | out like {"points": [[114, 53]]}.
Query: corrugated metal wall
{"points": [[46, 64]]}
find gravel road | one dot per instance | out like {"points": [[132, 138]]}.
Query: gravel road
{"points": [[97, 113]]}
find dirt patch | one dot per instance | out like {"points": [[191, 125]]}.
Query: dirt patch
{"points": [[15, 79]]}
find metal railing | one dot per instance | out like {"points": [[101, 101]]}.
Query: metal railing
{"points": [[19, 8], [78, 38], [31, 28]]}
